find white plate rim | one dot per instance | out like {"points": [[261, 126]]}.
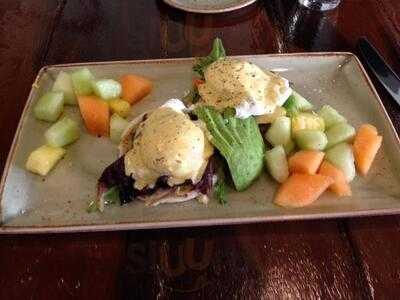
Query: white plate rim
{"points": [[193, 9]]}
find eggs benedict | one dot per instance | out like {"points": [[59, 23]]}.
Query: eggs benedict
{"points": [[165, 157], [244, 86]]}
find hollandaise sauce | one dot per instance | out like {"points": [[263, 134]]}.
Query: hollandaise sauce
{"points": [[243, 86], [169, 144]]}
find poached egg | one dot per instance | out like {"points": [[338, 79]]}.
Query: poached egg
{"points": [[168, 143], [243, 86]]}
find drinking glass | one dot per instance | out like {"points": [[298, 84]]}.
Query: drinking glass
{"points": [[320, 5]]}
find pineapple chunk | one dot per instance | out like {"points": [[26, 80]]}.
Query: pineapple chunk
{"points": [[43, 159], [120, 107], [309, 121]]}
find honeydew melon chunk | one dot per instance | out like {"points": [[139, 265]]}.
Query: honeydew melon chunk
{"points": [[49, 107], [279, 132], [82, 82], [297, 103], [289, 147], [62, 133], [117, 127], [276, 162], [107, 88], [309, 139], [63, 84], [302, 103], [338, 133], [341, 156], [330, 116], [43, 159]]}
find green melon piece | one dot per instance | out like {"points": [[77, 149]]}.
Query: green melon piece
{"points": [[63, 84], [309, 139], [342, 157], [279, 133], [117, 127], [49, 107], [296, 103], [82, 82], [338, 133], [330, 116], [62, 133], [276, 162], [107, 88]]}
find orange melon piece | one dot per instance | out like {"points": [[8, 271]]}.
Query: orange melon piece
{"points": [[134, 87], [340, 186], [368, 129], [366, 145], [306, 161], [95, 114], [301, 189]]}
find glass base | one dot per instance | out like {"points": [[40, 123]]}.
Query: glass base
{"points": [[320, 5]]}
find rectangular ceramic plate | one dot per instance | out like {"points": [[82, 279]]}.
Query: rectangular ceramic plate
{"points": [[57, 203]]}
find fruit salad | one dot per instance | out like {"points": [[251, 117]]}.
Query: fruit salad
{"points": [[104, 105]]}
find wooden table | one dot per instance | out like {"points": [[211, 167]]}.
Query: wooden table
{"points": [[334, 259]]}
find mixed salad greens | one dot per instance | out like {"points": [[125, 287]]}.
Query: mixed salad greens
{"points": [[217, 52]]}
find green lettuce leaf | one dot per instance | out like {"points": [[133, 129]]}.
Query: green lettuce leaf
{"points": [[216, 53], [220, 191]]}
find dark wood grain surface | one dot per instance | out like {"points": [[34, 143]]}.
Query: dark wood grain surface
{"points": [[336, 259]]}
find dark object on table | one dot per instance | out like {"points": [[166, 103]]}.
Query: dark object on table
{"points": [[386, 76]]}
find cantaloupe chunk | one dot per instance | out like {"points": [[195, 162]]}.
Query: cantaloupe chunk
{"points": [[96, 114], [306, 161], [340, 186], [368, 129], [366, 144], [134, 87], [302, 189]]}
